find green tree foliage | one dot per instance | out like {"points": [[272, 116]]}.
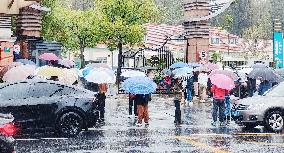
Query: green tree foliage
{"points": [[75, 29], [121, 22], [171, 11]]}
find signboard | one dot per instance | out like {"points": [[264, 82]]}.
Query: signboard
{"points": [[278, 49], [7, 49], [203, 55]]}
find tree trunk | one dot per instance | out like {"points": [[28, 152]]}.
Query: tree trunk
{"points": [[119, 63], [82, 48]]}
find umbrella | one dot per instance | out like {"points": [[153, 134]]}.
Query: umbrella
{"points": [[266, 74], [66, 63], [139, 85], [178, 65], [183, 72], [26, 61], [19, 73], [86, 71], [101, 76], [48, 57], [194, 65], [8, 67], [211, 66], [201, 69], [132, 73], [48, 71], [98, 65], [69, 76], [167, 72], [222, 81], [228, 73], [148, 68], [259, 65]]}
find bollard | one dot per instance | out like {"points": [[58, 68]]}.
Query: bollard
{"points": [[177, 111]]}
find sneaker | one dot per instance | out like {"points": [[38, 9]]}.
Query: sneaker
{"points": [[146, 124], [213, 123], [222, 124]]}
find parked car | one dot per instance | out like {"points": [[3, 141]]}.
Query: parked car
{"points": [[7, 130], [266, 110], [47, 105]]}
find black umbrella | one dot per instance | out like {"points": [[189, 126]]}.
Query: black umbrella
{"points": [[266, 74]]}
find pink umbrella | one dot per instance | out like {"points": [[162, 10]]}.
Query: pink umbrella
{"points": [[48, 57], [222, 81], [228, 73], [212, 66]]}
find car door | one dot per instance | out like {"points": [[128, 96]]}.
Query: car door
{"points": [[15, 99], [44, 104]]}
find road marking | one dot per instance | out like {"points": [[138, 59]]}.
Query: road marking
{"points": [[205, 146]]}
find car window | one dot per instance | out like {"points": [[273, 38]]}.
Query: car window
{"points": [[15, 91], [277, 91], [43, 89]]}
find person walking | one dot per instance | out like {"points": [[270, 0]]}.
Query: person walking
{"points": [[101, 97], [142, 108], [195, 83], [202, 80], [168, 82], [189, 86], [218, 104], [132, 104]]}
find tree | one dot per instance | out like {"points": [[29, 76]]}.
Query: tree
{"points": [[75, 29], [121, 22]]}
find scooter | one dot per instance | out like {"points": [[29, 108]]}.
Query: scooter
{"points": [[7, 130]]}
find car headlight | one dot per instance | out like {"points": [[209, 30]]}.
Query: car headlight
{"points": [[255, 106]]}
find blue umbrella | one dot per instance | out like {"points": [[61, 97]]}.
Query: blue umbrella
{"points": [[178, 65], [26, 62], [183, 72], [139, 85]]}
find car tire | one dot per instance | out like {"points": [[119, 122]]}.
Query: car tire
{"points": [[274, 121], [250, 125], [70, 124]]}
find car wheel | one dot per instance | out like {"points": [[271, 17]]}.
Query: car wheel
{"points": [[70, 124], [274, 121], [250, 125]]}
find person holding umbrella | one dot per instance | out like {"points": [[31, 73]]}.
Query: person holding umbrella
{"points": [[222, 85], [101, 97], [142, 108]]}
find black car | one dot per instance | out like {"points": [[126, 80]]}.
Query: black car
{"points": [[48, 106]]}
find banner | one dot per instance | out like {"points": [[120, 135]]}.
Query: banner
{"points": [[278, 49]]}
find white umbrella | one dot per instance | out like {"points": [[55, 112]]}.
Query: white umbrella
{"points": [[132, 73], [19, 73], [69, 76], [101, 76]]}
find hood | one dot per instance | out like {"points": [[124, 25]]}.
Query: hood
{"points": [[253, 100]]}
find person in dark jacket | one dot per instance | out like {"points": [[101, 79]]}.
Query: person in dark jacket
{"points": [[142, 108], [264, 86], [101, 98], [251, 86]]}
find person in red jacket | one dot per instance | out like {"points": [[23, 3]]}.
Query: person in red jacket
{"points": [[218, 104]]}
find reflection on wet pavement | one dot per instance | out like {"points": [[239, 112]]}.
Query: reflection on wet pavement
{"points": [[119, 134]]}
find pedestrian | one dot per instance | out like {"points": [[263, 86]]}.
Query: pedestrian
{"points": [[202, 80], [142, 108], [189, 87], [101, 98], [132, 104], [264, 86], [251, 86], [228, 108], [195, 83], [218, 105], [168, 82]]}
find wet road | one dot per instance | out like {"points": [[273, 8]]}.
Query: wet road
{"points": [[120, 134]]}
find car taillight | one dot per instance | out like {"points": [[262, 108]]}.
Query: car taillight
{"points": [[8, 129]]}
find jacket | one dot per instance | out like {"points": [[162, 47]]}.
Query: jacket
{"points": [[142, 99], [219, 93]]}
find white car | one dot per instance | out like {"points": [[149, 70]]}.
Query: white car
{"points": [[266, 110]]}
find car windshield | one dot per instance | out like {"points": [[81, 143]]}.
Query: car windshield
{"points": [[276, 91]]}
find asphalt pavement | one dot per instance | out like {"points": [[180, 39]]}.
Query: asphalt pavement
{"points": [[120, 134]]}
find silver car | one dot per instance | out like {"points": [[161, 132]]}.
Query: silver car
{"points": [[267, 110]]}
